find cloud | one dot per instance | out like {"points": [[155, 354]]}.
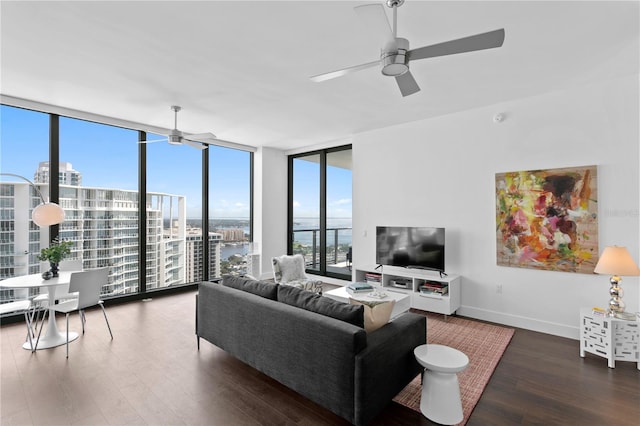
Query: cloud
{"points": [[296, 204], [341, 202]]}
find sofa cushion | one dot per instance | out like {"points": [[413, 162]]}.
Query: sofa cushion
{"points": [[321, 305], [261, 288], [376, 314]]}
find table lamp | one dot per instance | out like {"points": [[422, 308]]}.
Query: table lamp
{"points": [[616, 261], [45, 213]]}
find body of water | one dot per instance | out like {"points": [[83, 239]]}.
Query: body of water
{"points": [[306, 237], [228, 250], [303, 237]]}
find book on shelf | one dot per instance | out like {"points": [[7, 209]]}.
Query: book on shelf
{"points": [[431, 287], [443, 290], [373, 278]]}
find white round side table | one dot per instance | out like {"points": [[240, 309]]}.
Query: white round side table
{"points": [[440, 400]]}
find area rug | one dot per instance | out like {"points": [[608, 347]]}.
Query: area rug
{"points": [[483, 343]]}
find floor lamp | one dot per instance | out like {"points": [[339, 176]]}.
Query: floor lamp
{"points": [[45, 213]]}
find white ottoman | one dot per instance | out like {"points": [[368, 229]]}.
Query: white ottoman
{"points": [[440, 401]]}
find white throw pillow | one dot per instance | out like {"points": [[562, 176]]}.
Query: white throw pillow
{"points": [[376, 314], [291, 268]]}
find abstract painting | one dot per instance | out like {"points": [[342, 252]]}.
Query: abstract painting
{"points": [[548, 219]]}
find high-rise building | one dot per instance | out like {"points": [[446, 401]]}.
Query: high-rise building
{"points": [[66, 175], [232, 234], [195, 255], [103, 225]]}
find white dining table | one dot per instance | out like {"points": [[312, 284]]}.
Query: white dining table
{"points": [[53, 336]]}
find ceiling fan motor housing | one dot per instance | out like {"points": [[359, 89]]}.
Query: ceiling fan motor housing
{"points": [[175, 137], [395, 63]]}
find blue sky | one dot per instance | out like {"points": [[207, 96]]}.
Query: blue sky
{"points": [[306, 190], [107, 157]]}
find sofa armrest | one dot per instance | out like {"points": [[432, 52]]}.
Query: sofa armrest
{"points": [[387, 364]]}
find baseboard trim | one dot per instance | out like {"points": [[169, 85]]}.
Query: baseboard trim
{"points": [[519, 321]]}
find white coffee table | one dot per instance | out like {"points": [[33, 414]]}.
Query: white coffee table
{"points": [[402, 305], [440, 400]]}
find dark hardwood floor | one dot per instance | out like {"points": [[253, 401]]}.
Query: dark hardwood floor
{"points": [[153, 374]]}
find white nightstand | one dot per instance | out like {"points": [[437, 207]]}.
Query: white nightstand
{"points": [[611, 338]]}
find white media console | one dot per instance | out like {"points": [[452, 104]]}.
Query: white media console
{"points": [[393, 277]]}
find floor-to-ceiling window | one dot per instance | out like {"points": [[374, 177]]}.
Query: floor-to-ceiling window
{"points": [[24, 138], [338, 212], [106, 181], [320, 210], [97, 175], [174, 213], [230, 212], [305, 203]]}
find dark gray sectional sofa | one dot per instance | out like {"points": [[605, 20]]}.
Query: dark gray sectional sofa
{"points": [[333, 362]]}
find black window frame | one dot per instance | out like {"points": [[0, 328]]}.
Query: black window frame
{"points": [[322, 271], [54, 196]]}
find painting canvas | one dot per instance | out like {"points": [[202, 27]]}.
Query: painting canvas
{"points": [[548, 219]]}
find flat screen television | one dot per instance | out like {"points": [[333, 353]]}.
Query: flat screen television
{"points": [[410, 247]]}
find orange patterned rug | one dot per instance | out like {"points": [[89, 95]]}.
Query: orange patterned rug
{"points": [[483, 343]]}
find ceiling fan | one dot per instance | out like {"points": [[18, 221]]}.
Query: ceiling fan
{"points": [[176, 137], [395, 54]]}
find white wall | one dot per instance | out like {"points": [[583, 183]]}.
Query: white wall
{"points": [[270, 205], [441, 172]]}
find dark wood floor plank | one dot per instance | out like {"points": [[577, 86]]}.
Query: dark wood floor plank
{"points": [[152, 373]]}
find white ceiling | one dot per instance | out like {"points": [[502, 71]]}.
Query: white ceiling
{"points": [[240, 69]]}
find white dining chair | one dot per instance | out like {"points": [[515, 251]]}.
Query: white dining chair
{"points": [[62, 291], [88, 285], [20, 306]]}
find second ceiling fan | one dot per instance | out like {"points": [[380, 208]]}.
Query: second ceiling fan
{"points": [[176, 137], [395, 54]]}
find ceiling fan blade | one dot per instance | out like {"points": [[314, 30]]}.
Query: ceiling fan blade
{"points": [[375, 19], [407, 84], [200, 137], [197, 145], [154, 140], [482, 41], [339, 73]]}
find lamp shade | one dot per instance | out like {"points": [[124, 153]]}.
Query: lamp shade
{"points": [[616, 261], [47, 214]]}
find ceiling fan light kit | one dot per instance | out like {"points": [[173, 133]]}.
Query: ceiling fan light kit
{"points": [[396, 63], [395, 53]]}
